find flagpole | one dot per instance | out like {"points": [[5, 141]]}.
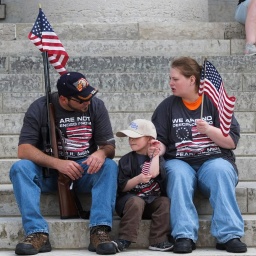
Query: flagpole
{"points": [[202, 104]]}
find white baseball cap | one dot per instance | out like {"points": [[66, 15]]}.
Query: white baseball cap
{"points": [[138, 128]]}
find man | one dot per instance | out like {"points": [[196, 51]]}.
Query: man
{"points": [[89, 148]]}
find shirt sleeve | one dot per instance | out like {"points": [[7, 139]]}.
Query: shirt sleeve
{"points": [[102, 128], [160, 119], [32, 123]]}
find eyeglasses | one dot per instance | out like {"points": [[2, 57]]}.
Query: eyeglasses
{"points": [[77, 100]]}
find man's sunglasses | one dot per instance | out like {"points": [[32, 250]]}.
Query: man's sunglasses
{"points": [[77, 100]]}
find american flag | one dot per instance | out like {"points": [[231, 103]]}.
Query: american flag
{"points": [[145, 168], [211, 84], [146, 165], [45, 39]]}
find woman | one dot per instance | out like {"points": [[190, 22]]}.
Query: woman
{"points": [[198, 156], [246, 14]]}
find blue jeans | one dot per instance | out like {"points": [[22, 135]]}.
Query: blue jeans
{"points": [[217, 180], [28, 184], [241, 11]]}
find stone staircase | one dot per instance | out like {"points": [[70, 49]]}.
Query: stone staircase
{"points": [[129, 64]]}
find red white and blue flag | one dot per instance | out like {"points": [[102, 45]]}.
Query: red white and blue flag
{"points": [[45, 39], [145, 168], [211, 84]]}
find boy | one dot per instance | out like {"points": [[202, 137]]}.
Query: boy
{"points": [[141, 188]]}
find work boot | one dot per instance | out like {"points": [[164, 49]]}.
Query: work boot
{"points": [[33, 244], [100, 241]]}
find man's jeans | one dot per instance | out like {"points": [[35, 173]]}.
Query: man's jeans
{"points": [[28, 184], [217, 180]]}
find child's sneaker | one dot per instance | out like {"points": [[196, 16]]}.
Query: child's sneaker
{"points": [[250, 49], [163, 247], [121, 244]]}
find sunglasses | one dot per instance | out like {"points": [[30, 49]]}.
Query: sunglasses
{"points": [[77, 100]]}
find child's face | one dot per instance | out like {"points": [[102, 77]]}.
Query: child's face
{"points": [[140, 145]]}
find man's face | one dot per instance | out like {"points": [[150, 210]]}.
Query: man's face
{"points": [[78, 105]]}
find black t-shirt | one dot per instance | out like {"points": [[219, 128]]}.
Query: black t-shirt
{"points": [[82, 132], [129, 166], [176, 129]]}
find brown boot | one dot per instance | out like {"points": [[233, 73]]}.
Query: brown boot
{"points": [[33, 244], [100, 241]]}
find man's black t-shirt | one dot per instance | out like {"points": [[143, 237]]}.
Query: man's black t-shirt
{"points": [[82, 132]]}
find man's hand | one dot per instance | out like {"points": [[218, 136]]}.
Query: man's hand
{"points": [[70, 168], [95, 161]]}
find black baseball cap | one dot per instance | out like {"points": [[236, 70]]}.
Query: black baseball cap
{"points": [[74, 84]]}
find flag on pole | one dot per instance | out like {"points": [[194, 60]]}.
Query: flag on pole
{"points": [[45, 39], [211, 84]]}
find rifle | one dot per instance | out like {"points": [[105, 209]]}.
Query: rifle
{"points": [[69, 203]]}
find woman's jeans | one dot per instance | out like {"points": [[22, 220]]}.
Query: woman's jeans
{"points": [[241, 11], [217, 180], [28, 184]]}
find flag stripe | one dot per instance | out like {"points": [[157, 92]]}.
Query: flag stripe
{"points": [[45, 39], [145, 168], [211, 84]]}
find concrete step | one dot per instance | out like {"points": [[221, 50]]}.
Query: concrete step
{"points": [[97, 66], [8, 145], [11, 64], [140, 101], [245, 194], [10, 124], [74, 234], [132, 31], [246, 167], [207, 47], [138, 252]]}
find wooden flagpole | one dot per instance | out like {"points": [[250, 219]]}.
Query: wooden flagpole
{"points": [[202, 104]]}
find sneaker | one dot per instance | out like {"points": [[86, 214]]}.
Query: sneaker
{"points": [[33, 244], [162, 247], [184, 245], [100, 241], [250, 49], [233, 245], [121, 244]]}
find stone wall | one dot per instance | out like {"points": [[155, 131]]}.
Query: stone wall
{"points": [[109, 11], [222, 10]]}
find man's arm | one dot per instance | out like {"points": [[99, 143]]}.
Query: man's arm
{"points": [[97, 159], [67, 167]]}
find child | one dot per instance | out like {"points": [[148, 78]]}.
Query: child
{"points": [[141, 188]]}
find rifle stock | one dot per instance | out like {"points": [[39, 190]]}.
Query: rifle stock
{"points": [[67, 202]]}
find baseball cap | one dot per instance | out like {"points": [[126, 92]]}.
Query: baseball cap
{"points": [[138, 128], [74, 84]]}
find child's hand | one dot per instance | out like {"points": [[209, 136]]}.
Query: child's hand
{"points": [[142, 178], [154, 148]]}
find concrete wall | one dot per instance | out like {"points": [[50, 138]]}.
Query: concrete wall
{"points": [[222, 10], [109, 11]]}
